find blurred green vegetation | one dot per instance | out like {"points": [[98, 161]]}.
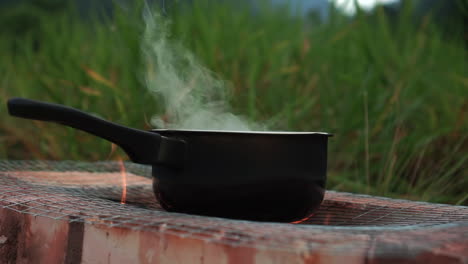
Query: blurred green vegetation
{"points": [[392, 90]]}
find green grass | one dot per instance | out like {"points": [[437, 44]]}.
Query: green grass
{"points": [[393, 93]]}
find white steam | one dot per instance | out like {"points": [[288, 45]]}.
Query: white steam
{"points": [[194, 97]]}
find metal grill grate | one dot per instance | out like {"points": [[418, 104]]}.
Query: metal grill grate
{"points": [[340, 209], [92, 192], [32, 186]]}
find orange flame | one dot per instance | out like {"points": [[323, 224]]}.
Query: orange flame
{"points": [[302, 220], [327, 220], [123, 172]]}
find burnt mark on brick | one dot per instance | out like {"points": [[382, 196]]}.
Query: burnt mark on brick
{"points": [[10, 228], [75, 241]]}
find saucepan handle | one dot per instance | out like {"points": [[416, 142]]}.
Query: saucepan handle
{"points": [[141, 146]]}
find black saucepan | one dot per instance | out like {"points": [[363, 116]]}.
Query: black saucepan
{"points": [[265, 176]]}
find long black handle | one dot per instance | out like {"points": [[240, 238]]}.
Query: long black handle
{"points": [[141, 146]]}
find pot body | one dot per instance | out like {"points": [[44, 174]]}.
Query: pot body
{"points": [[245, 175], [268, 176]]}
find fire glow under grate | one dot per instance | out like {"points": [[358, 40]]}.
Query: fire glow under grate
{"points": [[99, 211]]}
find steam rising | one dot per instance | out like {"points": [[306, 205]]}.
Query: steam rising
{"points": [[194, 97]]}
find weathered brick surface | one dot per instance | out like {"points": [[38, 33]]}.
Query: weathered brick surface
{"points": [[76, 217]]}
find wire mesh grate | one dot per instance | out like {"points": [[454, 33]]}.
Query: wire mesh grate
{"points": [[92, 193], [99, 186]]}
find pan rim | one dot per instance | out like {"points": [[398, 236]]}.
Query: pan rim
{"points": [[243, 132]]}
